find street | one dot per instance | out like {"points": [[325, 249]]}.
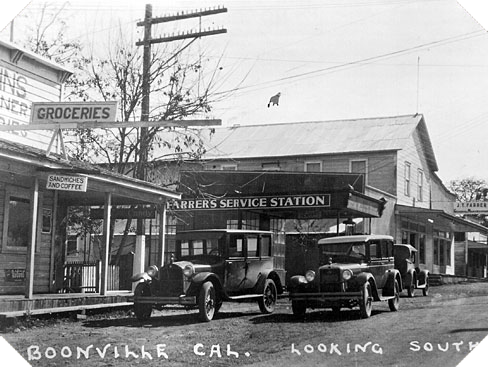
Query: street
{"points": [[437, 330]]}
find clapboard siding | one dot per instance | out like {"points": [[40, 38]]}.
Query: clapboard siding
{"points": [[381, 166], [415, 156]]}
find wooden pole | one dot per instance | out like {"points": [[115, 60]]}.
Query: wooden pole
{"points": [[162, 234], [106, 241], [31, 250]]}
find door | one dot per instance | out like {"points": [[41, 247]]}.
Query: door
{"points": [[235, 264]]}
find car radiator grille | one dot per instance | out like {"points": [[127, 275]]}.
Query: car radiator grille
{"points": [[172, 280], [330, 280]]}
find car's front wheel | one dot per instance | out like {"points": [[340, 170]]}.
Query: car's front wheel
{"points": [[142, 310], [394, 302], [268, 301], [366, 303], [206, 302]]}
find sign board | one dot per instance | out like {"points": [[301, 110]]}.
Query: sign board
{"points": [[74, 112], [17, 91], [67, 183], [14, 275], [258, 202], [126, 213], [471, 207]]}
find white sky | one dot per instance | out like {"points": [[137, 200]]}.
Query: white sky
{"points": [[338, 59]]}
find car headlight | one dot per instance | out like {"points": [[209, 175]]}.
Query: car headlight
{"points": [[188, 271], [152, 271], [347, 274], [310, 275]]}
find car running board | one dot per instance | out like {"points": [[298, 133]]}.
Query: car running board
{"points": [[245, 296]]}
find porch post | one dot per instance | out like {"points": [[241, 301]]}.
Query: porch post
{"points": [[31, 250], [162, 234], [54, 233], [139, 257], [107, 210]]}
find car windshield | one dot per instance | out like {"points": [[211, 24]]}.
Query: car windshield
{"points": [[344, 251], [197, 247]]}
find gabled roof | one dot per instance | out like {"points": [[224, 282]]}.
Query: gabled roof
{"points": [[318, 138]]}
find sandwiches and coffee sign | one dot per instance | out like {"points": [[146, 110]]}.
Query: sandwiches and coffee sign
{"points": [[67, 183]]}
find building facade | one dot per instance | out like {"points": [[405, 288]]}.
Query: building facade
{"points": [[395, 157]]}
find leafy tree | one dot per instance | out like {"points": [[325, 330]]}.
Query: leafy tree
{"points": [[468, 189]]}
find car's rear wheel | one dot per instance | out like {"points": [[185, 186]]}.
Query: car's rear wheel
{"points": [[268, 301], [298, 307], [394, 302], [425, 291], [206, 302], [142, 310], [366, 303]]}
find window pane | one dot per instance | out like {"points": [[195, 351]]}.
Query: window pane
{"points": [[312, 167], [252, 246], [18, 222], [197, 247], [185, 248]]}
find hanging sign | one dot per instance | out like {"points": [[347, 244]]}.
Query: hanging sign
{"points": [[258, 202], [67, 183], [74, 112], [471, 207]]}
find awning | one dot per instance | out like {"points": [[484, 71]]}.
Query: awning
{"points": [[440, 219]]}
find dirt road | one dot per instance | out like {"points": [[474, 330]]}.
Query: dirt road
{"points": [[438, 330]]}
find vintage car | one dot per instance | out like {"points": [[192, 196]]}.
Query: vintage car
{"points": [[353, 271], [210, 267], [412, 277]]}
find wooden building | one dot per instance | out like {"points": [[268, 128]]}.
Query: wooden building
{"points": [[36, 190], [395, 156]]}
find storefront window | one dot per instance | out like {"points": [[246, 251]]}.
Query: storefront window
{"points": [[18, 226]]}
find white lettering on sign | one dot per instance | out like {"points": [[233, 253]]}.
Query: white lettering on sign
{"points": [[276, 202], [66, 183], [56, 112]]}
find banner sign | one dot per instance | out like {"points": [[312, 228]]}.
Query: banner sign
{"points": [[126, 213], [471, 207], [75, 112], [260, 202], [67, 183]]}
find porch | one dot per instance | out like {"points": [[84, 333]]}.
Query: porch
{"points": [[18, 305]]}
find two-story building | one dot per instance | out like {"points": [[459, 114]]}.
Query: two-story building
{"points": [[395, 156]]}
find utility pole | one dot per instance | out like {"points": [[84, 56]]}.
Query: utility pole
{"points": [[146, 87]]}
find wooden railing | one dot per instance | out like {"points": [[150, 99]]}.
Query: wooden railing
{"points": [[81, 277]]}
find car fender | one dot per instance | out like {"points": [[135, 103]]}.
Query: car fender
{"points": [[391, 276], [140, 276], [364, 277], [269, 275], [296, 282], [198, 279], [410, 278], [423, 275]]}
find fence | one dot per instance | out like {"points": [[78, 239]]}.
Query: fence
{"points": [[81, 277]]}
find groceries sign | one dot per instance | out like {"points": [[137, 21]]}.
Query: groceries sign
{"points": [[261, 202], [75, 112], [66, 183]]}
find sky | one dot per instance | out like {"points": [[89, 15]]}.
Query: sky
{"points": [[332, 60]]}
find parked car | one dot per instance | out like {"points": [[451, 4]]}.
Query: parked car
{"points": [[353, 271], [210, 267], [412, 277]]}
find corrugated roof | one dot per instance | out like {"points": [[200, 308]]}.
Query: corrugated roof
{"points": [[318, 138]]}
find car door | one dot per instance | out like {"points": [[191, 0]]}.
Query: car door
{"points": [[258, 258], [379, 260], [235, 264]]}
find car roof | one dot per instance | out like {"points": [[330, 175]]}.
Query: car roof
{"points": [[410, 247], [238, 231], [355, 238]]}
